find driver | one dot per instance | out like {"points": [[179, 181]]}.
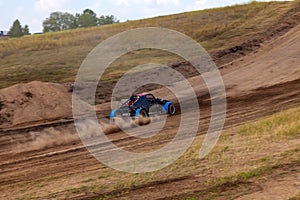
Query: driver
{"points": [[132, 100]]}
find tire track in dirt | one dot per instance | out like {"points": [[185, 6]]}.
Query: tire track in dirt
{"points": [[193, 187], [72, 159]]}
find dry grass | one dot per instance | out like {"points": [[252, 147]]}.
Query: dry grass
{"points": [[297, 197], [56, 57]]}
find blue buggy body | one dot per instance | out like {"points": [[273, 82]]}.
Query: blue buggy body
{"points": [[144, 105]]}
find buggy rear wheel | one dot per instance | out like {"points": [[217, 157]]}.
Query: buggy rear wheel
{"points": [[171, 109]]}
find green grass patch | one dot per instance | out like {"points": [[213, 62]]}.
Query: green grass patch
{"points": [[283, 124], [74, 190], [102, 176], [240, 177]]}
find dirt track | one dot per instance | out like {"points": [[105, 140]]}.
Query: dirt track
{"points": [[259, 84]]}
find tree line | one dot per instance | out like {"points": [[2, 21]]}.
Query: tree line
{"points": [[59, 21]]}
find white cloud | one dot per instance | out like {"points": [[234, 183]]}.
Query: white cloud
{"points": [[148, 1], [200, 4], [204, 4], [121, 2], [49, 5], [275, 0], [36, 25], [20, 9], [143, 2], [167, 2]]}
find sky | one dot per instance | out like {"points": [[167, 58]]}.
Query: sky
{"points": [[33, 12]]}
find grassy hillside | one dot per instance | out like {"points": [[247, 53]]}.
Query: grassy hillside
{"points": [[56, 57]]}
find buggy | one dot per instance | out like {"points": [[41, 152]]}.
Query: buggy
{"points": [[143, 105]]}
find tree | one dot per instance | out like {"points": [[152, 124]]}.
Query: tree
{"points": [[87, 19], [25, 30], [16, 29], [59, 21], [108, 19]]}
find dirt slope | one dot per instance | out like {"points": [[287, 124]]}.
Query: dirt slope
{"points": [[275, 63]]}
